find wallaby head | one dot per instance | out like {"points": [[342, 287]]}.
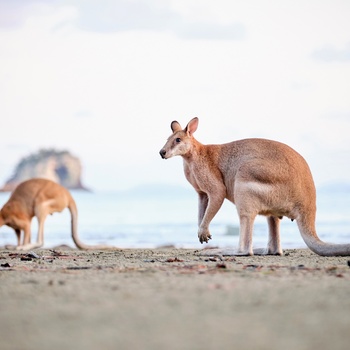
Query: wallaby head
{"points": [[180, 142]]}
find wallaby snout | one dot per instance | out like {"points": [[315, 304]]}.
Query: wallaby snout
{"points": [[162, 153]]}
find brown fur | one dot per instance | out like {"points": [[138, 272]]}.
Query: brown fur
{"points": [[261, 177], [39, 197]]}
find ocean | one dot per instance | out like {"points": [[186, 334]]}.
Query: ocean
{"points": [[156, 216]]}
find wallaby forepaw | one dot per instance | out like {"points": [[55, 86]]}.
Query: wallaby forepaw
{"points": [[204, 236]]}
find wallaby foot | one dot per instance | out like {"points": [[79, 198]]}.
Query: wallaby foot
{"points": [[29, 246], [221, 252], [264, 251], [235, 252], [10, 247]]}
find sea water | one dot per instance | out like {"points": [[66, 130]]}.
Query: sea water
{"points": [[149, 220]]}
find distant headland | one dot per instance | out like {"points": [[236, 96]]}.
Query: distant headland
{"points": [[59, 166]]}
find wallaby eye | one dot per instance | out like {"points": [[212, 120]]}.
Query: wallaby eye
{"points": [[178, 139]]}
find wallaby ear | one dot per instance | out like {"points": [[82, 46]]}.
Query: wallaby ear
{"points": [[175, 126], [192, 126]]}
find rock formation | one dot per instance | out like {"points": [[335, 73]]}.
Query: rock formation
{"points": [[58, 166]]}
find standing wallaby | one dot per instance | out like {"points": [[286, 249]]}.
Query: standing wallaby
{"points": [[261, 177], [39, 197]]}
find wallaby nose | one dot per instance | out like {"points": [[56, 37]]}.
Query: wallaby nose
{"points": [[162, 153]]}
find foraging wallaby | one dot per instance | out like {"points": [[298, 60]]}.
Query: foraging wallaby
{"points": [[261, 177], [39, 197]]}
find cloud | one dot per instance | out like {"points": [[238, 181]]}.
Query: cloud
{"points": [[14, 13], [211, 31], [330, 54], [16, 146], [83, 113], [122, 15], [119, 16], [343, 116], [109, 16]]}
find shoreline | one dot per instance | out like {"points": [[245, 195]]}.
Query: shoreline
{"points": [[172, 298]]}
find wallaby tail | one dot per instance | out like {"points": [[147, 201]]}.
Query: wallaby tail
{"points": [[74, 225], [308, 232]]}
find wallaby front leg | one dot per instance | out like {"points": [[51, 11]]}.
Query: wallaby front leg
{"points": [[214, 204], [26, 236], [202, 206], [18, 235]]}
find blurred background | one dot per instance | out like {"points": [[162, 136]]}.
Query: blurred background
{"points": [[104, 79]]}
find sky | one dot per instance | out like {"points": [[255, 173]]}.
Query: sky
{"points": [[104, 79]]}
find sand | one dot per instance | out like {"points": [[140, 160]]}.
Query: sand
{"points": [[172, 299]]}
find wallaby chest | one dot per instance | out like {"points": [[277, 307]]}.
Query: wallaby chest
{"points": [[203, 176]]}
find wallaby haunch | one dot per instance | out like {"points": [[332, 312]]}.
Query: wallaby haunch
{"points": [[39, 197], [261, 177]]}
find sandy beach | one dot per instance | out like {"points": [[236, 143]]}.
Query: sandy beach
{"points": [[172, 299]]}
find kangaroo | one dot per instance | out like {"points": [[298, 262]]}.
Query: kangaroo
{"points": [[261, 177], [39, 197]]}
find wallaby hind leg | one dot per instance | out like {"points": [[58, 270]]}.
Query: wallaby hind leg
{"points": [[41, 221], [245, 246], [245, 241], [41, 212], [274, 243]]}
